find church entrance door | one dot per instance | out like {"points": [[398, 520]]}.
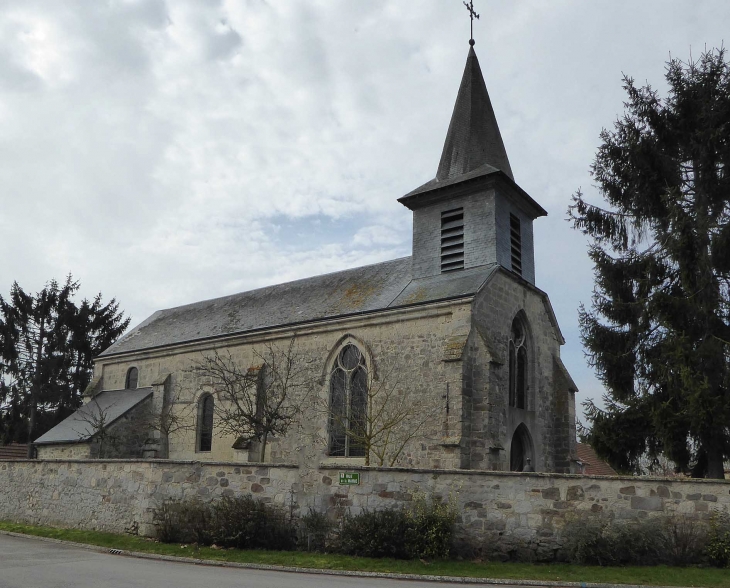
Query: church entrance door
{"points": [[521, 451]]}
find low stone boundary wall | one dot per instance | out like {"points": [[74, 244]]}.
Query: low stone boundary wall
{"points": [[498, 510], [505, 512], [121, 496]]}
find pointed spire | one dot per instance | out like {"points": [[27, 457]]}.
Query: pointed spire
{"points": [[473, 139]]}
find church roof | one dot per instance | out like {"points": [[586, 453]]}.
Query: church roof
{"points": [[105, 408], [473, 145], [473, 139], [350, 292]]}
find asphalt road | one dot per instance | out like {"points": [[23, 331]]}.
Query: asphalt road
{"points": [[31, 563]]}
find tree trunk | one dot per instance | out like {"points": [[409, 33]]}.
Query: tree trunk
{"points": [[164, 446], [715, 465], [262, 452], [35, 386]]}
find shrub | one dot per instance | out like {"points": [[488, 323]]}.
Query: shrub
{"points": [[718, 543], [379, 533], [315, 531], [429, 528], [423, 530], [245, 523], [240, 522], [600, 540], [186, 521], [686, 540]]}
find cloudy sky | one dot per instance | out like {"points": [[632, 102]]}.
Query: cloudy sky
{"points": [[168, 152]]}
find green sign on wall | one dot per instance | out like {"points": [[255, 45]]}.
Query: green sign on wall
{"points": [[349, 478]]}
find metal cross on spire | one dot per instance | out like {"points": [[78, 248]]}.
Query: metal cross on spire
{"points": [[472, 15]]}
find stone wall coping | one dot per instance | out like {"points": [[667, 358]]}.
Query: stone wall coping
{"points": [[538, 475], [161, 462], [353, 467]]}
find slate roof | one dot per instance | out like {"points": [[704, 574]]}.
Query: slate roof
{"points": [[473, 138], [355, 291], [473, 147], [592, 464], [112, 404]]}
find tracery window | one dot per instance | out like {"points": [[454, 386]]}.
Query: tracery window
{"points": [[348, 403], [517, 365], [132, 379], [205, 423]]}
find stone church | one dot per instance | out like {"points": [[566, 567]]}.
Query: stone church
{"points": [[460, 323]]}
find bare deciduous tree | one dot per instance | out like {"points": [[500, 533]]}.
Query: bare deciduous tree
{"points": [[389, 419], [174, 415], [260, 401], [93, 422]]}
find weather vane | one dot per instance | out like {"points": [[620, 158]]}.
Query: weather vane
{"points": [[472, 16]]}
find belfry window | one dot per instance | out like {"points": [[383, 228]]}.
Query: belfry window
{"points": [[348, 403], [517, 366], [452, 240], [205, 423], [515, 241], [132, 379]]}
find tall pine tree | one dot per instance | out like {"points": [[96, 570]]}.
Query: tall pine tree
{"points": [[658, 333], [47, 347]]}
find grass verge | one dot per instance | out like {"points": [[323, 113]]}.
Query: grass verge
{"points": [[653, 576]]}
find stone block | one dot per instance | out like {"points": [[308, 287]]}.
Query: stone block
{"points": [[653, 503], [628, 490], [575, 493], [551, 493], [662, 491]]}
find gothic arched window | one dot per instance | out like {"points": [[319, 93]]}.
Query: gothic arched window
{"points": [[348, 403], [132, 379], [517, 365], [205, 423]]}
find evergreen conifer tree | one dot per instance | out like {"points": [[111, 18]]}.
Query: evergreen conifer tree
{"points": [[47, 347], [658, 332]]}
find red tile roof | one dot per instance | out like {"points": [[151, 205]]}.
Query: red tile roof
{"points": [[13, 451], [592, 464]]}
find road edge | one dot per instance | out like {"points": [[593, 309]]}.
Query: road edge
{"points": [[326, 572]]}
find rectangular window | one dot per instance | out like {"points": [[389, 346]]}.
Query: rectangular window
{"points": [[515, 238], [452, 240]]}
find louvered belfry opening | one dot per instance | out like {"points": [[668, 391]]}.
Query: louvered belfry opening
{"points": [[452, 240], [515, 243]]}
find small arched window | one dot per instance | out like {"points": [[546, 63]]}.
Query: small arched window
{"points": [[205, 423], [132, 379], [517, 365], [348, 403]]}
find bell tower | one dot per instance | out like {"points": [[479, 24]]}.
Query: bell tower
{"points": [[472, 213]]}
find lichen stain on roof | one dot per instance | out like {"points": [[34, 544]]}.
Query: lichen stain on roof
{"points": [[418, 295], [357, 295]]}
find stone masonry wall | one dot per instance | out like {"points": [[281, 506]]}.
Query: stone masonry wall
{"points": [[406, 347], [549, 405], [121, 496], [499, 512]]}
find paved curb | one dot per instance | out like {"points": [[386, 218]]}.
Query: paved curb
{"points": [[387, 575]]}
